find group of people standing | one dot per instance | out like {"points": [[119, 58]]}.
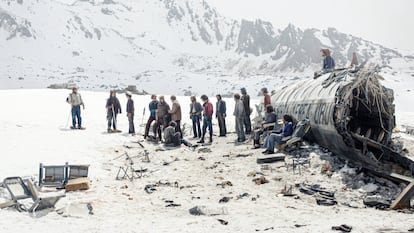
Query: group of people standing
{"points": [[162, 115], [201, 115]]}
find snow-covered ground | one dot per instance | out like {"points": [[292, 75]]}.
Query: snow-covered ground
{"points": [[33, 127]]}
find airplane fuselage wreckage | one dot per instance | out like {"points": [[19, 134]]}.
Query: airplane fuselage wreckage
{"points": [[350, 113]]}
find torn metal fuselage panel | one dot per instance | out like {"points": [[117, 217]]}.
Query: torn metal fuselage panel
{"points": [[350, 113]]}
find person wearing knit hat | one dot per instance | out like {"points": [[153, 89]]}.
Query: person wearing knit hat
{"points": [[130, 109], [75, 100]]}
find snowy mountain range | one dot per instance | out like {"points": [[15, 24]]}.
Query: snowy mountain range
{"points": [[163, 46]]}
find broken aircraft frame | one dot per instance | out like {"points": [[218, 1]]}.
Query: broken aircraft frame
{"points": [[350, 113]]}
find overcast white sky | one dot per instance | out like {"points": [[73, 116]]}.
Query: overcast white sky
{"points": [[387, 22]]}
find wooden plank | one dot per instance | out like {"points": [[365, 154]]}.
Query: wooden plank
{"points": [[7, 204], [404, 179], [392, 176], [77, 184], [403, 200]]}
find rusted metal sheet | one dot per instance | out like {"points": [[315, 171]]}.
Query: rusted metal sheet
{"points": [[350, 113]]}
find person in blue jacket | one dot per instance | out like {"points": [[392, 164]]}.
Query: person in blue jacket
{"points": [[153, 105], [276, 138], [328, 61]]}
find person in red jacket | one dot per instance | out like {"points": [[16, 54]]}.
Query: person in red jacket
{"points": [[207, 118], [266, 95]]}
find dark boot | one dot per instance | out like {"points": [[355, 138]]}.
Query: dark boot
{"points": [[202, 139], [256, 144]]}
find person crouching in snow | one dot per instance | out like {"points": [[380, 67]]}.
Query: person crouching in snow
{"points": [[75, 100], [171, 137], [113, 107], [130, 113]]}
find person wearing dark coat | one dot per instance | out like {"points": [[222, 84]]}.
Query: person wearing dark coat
{"points": [[221, 115], [195, 116], [130, 109], [269, 118], [161, 117], [245, 99], [239, 115], [152, 106], [113, 107], [276, 138]]}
